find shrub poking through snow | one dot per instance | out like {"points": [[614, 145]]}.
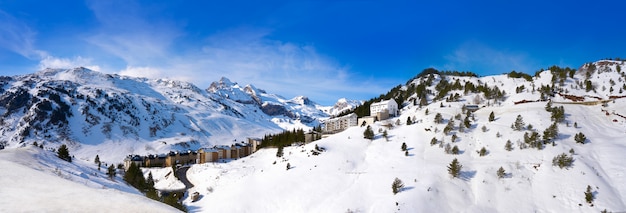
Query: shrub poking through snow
{"points": [[396, 186]]}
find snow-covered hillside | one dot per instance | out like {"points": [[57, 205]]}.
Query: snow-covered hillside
{"points": [[354, 174], [34, 180], [113, 116]]}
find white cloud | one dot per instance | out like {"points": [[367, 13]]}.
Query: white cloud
{"points": [[146, 72], [54, 62], [478, 57]]}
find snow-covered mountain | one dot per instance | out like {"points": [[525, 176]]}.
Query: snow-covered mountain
{"points": [[354, 174], [113, 115], [298, 112], [342, 105]]}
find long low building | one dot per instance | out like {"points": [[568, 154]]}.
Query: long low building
{"points": [[203, 155]]}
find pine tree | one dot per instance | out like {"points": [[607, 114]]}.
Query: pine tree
{"points": [[482, 152], [111, 171], [454, 169], [484, 128], [279, 152], [433, 141], [404, 148], [150, 180], [455, 150], [589, 195], [438, 118], [454, 137], [508, 146], [64, 153], [288, 166], [426, 112], [467, 122], [501, 173], [449, 127], [492, 117], [580, 138], [368, 133], [97, 160], [519, 123], [409, 121], [406, 153], [396, 186], [386, 135], [99, 165]]}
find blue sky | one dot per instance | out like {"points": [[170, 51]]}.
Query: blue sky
{"points": [[325, 50]]}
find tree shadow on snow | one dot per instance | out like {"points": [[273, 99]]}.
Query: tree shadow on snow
{"points": [[406, 188], [467, 175]]}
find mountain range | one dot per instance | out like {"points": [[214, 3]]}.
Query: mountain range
{"points": [[112, 115]]}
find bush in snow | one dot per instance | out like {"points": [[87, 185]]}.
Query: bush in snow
{"points": [[403, 146], [482, 152], [368, 133], [455, 150], [492, 117], [580, 138], [501, 173], [508, 146], [562, 161], [438, 118], [433, 141], [396, 186], [484, 128], [288, 166]]}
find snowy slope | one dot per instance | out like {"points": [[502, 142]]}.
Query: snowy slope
{"points": [[355, 174], [35, 180]]}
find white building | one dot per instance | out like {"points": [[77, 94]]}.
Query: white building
{"points": [[339, 123], [389, 106]]}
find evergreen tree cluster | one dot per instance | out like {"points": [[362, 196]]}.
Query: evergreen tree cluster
{"points": [[285, 138], [563, 161], [134, 177], [557, 113], [514, 74], [533, 140], [551, 133]]}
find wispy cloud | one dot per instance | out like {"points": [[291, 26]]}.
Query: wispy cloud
{"points": [[127, 33], [481, 58], [17, 36]]}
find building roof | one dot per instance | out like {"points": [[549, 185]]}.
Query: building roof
{"points": [[384, 102]]}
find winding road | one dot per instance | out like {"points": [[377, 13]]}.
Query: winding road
{"points": [[181, 173]]}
